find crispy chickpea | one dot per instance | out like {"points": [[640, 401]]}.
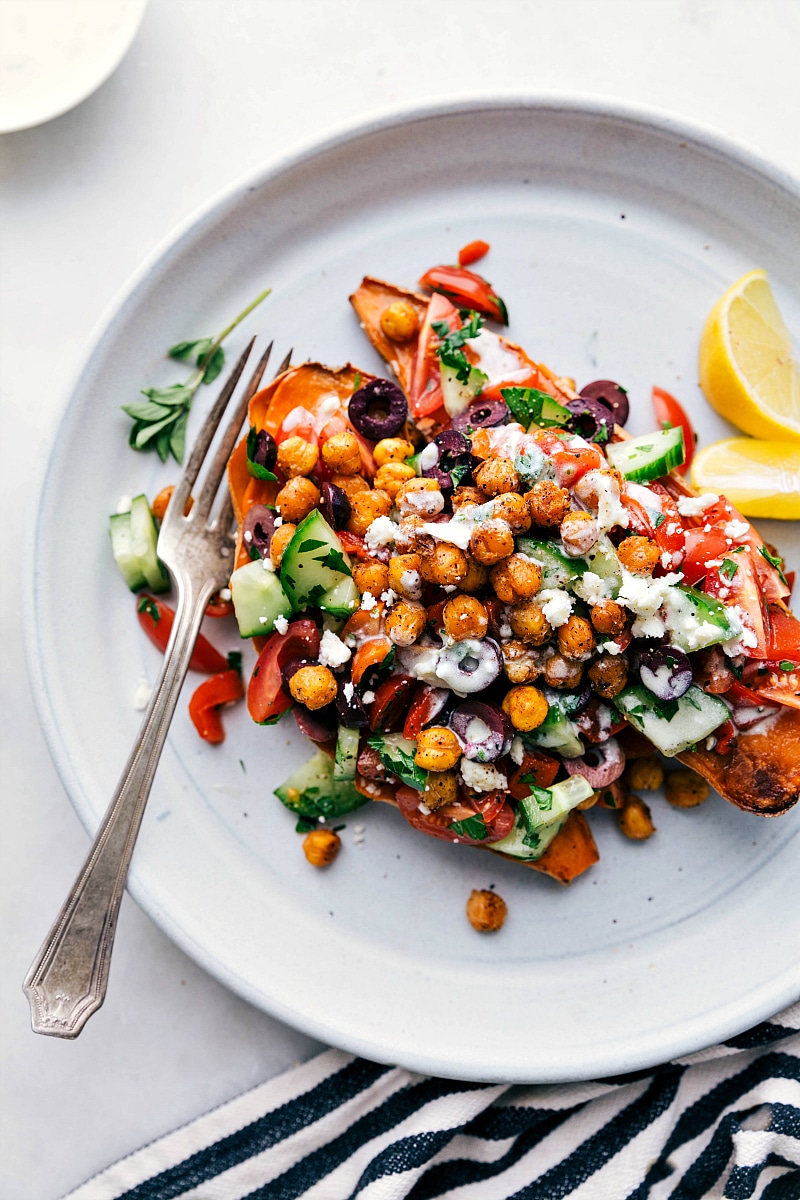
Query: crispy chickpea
{"points": [[405, 622], [446, 565], [438, 749], [410, 537], [314, 686], [608, 676], [421, 497], [351, 485], [685, 789], [321, 847], [486, 911], [638, 554], [399, 321], [516, 578], [372, 577], [404, 576], [465, 617], [296, 456], [394, 449], [608, 617], [477, 576], [297, 498], [563, 672], [575, 638], [280, 540], [441, 788], [366, 507], [467, 495], [391, 477], [634, 820], [161, 503], [491, 542], [512, 509], [342, 453], [579, 532], [646, 774], [529, 622], [497, 475], [547, 503], [520, 663], [526, 707]]}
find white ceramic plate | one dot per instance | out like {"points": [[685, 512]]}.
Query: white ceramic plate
{"points": [[612, 233]]}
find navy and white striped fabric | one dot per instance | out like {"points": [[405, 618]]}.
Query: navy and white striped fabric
{"points": [[723, 1123]]}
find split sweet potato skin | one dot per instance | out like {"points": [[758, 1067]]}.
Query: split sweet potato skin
{"points": [[369, 300], [761, 774]]}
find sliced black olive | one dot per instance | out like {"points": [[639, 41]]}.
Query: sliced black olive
{"points": [[591, 419], [257, 530], [291, 668], [487, 746], [610, 394], [334, 505], [666, 672], [262, 451], [320, 725], [378, 409], [351, 712], [483, 414]]}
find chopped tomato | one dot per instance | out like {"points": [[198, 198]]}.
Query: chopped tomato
{"points": [[300, 422], [734, 581], [654, 513], [701, 547], [370, 654], [156, 619], [426, 703], [466, 290], [524, 377], [425, 389], [353, 543], [204, 704], [472, 252], [392, 698], [438, 824], [571, 465], [726, 738], [219, 608], [670, 413], [266, 698], [535, 767], [365, 623], [784, 636], [782, 687]]}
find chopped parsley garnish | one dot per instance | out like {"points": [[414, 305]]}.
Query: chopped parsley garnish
{"points": [[451, 351], [235, 661], [333, 559], [149, 606], [400, 762], [665, 709], [472, 827], [255, 468], [659, 520], [728, 569], [312, 544], [305, 825], [775, 560], [785, 665]]}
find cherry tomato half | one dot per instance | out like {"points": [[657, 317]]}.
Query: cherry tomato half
{"points": [[466, 290], [204, 704], [266, 698], [671, 413]]}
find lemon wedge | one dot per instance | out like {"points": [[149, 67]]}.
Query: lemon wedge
{"points": [[761, 479], [747, 370]]}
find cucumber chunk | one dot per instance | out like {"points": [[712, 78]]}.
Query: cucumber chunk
{"points": [[672, 725], [258, 599], [650, 456], [122, 549], [313, 792], [316, 571], [556, 732], [457, 396], [397, 755], [524, 845], [344, 766], [558, 569], [546, 805], [134, 537], [696, 620], [342, 600]]}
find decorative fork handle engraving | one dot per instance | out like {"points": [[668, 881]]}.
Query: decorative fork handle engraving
{"points": [[68, 979]]}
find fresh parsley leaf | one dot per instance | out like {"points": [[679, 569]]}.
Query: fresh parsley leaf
{"points": [[785, 665], [312, 544], [334, 560], [659, 520], [665, 709], [357, 381], [235, 660], [254, 468], [198, 349], [471, 827], [728, 569], [775, 560], [241, 764], [149, 606], [451, 351], [305, 825]]}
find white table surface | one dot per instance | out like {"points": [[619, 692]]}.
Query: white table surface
{"points": [[210, 89]]}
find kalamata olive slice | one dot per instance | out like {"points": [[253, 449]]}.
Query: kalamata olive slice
{"points": [[666, 672], [469, 666], [610, 394], [320, 725], [291, 668], [484, 731], [334, 505], [483, 414], [349, 707], [452, 445], [454, 455], [378, 409], [262, 449], [591, 419], [257, 530], [392, 699], [370, 765], [601, 764]]}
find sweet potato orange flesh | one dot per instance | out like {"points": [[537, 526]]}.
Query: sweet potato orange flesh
{"points": [[369, 300], [761, 774]]}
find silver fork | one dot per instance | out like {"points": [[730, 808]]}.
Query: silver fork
{"points": [[68, 979]]}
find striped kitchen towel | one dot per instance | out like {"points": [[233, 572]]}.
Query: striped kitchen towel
{"points": [[721, 1123]]}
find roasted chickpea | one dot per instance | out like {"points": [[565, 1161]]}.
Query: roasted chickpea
{"points": [[441, 787], [438, 749], [634, 819], [391, 477], [297, 498], [296, 456], [646, 774], [342, 453], [486, 911], [563, 672], [512, 509], [528, 622], [477, 576], [422, 497], [161, 503], [526, 707], [608, 617], [399, 321], [351, 485], [491, 542], [516, 578], [638, 554], [405, 622], [410, 536], [445, 565], [497, 475], [520, 663], [394, 449], [366, 507], [404, 576], [608, 676], [372, 577], [547, 503], [579, 532], [321, 847], [467, 495], [465, 617], [575, 638], [280, 540], [685, 789], [314, 686]]}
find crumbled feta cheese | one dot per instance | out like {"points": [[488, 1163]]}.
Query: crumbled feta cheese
{"points": [[278, 522], [556, 605], [644, 596], [481, 776], [411, 583], [368, 697], [325, 409], [266, 563], [423, 808], [263, 620], [124, 504], [610, 647], [368, 601], [225, 594], [693, 506], [666, 560], [737, 529], [294, 418], [381, 532], [248, 537], [388, 597], [517, 751], [348, 690], [449, 587], [744, 638], [711, 742], [592, 588], [141, 697], [332, 650], [280, 624], [429, 456]]}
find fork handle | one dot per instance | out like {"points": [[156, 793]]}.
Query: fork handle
{"points": [[68, 979]]}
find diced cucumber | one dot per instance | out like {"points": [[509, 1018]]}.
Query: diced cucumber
{"points": [[648, 457], [397, 755], [313, 792], [557, 732], [457, 396], [316, 571], [696, 620], [672, 725], [524, 845], [344, 766], [545, 805], [604, 561], [144, 540], [258, 599], [122, 549], [558, 569]]}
